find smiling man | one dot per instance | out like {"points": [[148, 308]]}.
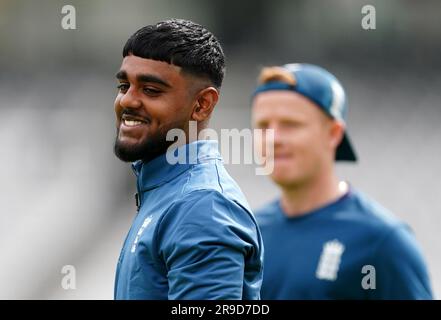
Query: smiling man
{"points": [[194, 236]]}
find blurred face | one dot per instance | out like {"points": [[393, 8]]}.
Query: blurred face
{"points": [[153, 97], [303, 140]]}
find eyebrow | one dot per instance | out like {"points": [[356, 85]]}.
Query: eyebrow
{"points": [[122, 75]]}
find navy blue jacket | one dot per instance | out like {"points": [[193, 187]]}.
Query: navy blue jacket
{"points": [[349, 249]]}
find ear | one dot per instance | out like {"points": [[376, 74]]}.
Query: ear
{"points": [[205, 101], [336, 132]]}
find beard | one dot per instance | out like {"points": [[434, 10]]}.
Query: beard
{"points": [[146, 150]]}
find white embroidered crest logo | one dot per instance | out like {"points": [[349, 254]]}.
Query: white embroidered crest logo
{"points": [[329, 262], [140, 231]]}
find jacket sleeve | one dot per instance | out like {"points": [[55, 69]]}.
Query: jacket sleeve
{"points": [[400, 267], [205, 241]]}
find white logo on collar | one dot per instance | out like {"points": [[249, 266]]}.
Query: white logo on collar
{"points": [[330, 260], [140, 231]]}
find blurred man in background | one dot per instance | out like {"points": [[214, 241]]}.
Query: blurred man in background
{"points": [[323, 238], [194, 236]]}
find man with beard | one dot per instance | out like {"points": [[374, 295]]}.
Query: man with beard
{"points": [[194, 236]]}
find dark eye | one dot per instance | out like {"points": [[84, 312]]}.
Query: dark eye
{"points": [[123, 87], [289, 124], [151, 91], [262, 125]]}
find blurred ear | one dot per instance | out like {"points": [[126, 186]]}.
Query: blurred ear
{"points": [[336, 132], [205, 101]]}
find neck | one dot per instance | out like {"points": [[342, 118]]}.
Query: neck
{"points": [[302, 199]]}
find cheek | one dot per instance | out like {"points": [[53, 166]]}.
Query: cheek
{"points": [[116, 105], [311, 150], [319, 139], [294, 139], [303, 146], [180, 111], [171, 103], [308, 137]]}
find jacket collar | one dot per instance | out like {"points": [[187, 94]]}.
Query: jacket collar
{"points": [[168, 166]]}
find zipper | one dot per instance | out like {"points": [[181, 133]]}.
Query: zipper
{"points": [[137, 201]]}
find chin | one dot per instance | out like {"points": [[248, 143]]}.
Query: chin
{"points": [[281, 177], [285, 175], [127, 152]]}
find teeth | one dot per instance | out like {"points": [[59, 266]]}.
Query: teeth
{"points": [[131, 123]]}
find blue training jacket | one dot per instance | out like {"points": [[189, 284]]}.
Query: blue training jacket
{"points": [[194, 236], [351, 248]]}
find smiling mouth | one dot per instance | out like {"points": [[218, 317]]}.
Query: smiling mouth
{"points": [[131, 121]]}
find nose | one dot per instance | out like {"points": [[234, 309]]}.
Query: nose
{"points": [[277, 134], [278, 138], [130, 99]]}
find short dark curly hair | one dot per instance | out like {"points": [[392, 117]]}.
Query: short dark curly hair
{"points": [[182, 43]]}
